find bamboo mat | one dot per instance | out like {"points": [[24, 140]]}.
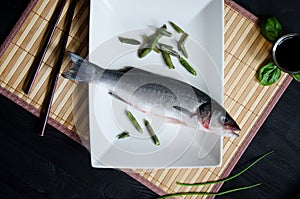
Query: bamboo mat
{"points": [[245, 99]]}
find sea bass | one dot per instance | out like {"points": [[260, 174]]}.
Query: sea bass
{"points": [[173, 100]]}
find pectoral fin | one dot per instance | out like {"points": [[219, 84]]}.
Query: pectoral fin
{"points": [[185, 111], [115, 95]]}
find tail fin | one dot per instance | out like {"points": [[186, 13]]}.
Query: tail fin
{"points": [[73, 71], [76, 59], [81, 70]]}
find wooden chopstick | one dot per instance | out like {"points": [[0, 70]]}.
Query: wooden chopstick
{"points": [[58, 64], [35, 67]]}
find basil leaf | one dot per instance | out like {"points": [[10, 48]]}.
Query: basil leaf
{"points": [[271, 28], [296, 76], [269, 74]]}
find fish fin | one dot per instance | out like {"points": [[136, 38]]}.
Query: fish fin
{"points": [[76, 59], [115, 95], [76, 64], [185, 111], [82, 70]]}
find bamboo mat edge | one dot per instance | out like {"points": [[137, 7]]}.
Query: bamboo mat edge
{"points": [[141, 179]]}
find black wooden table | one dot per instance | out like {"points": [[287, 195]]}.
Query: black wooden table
{"points": [[35, 167]]}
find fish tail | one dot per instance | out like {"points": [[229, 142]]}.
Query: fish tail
{"points": [[76, 59], [81, 70], [76, 64]]}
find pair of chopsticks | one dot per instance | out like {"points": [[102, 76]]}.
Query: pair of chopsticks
{"points": [[41, 53]]}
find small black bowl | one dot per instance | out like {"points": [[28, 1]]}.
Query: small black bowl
{"points": [[286, 53]]}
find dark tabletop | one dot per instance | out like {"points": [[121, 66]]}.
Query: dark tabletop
{"points": [[57, 167]]}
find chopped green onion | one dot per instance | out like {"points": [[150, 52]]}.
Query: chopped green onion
{"points": [[181, 44], [147, 40], [163, 31], [177, 28], [182, 49], [151, 132], [187, 66], [123, 135], [169, 50], [167, 59], [129, 41], [143, 52], [158, 33], [154, 40], [165, 46], [134, 122]]}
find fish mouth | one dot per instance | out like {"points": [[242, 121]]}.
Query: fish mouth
{"points": [[234, 127], [229, 129], [230, 133]]}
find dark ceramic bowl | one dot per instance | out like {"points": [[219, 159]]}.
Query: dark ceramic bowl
{"points": [[286, 53]]}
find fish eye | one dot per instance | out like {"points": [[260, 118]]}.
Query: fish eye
{"points": [[223, 119]]}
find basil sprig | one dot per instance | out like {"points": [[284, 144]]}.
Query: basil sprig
{"points": [[296, 76], [269, 74], [271, 28]]}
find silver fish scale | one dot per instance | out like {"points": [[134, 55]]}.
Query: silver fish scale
{"points": [[153, 93]]}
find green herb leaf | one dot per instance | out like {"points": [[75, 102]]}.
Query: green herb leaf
{"points": [[271, 28], [269, 74], [296, 76]]}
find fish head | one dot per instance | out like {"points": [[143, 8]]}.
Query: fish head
{"points": [[216, 119]]}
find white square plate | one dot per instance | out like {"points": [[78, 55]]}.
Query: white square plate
{"points": [[180, 146]]}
